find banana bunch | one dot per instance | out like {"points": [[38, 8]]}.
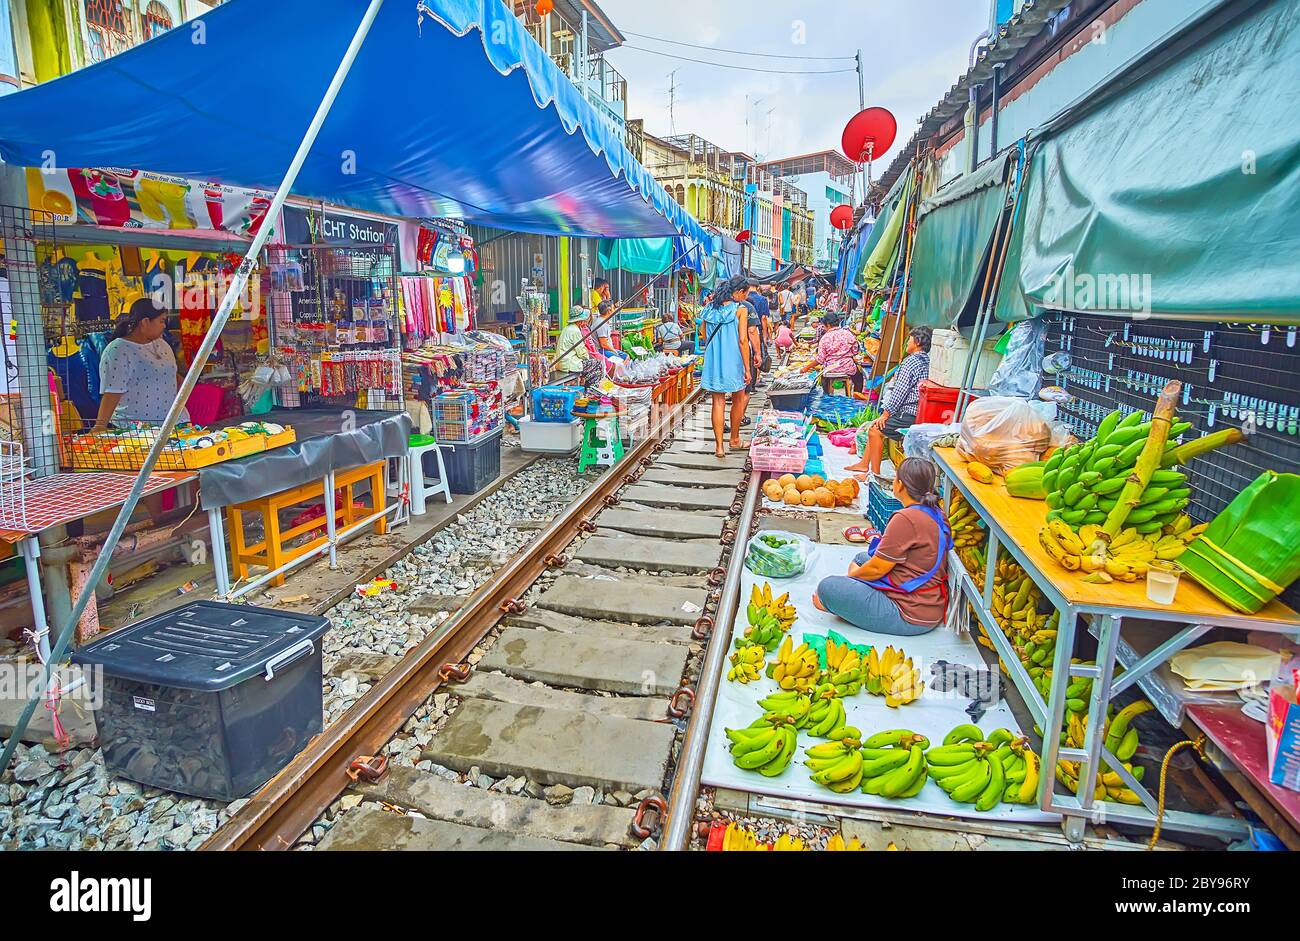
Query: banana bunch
{"points": [[891, 674], [1124, 558], [737, 839], [893, 764], [969, 768], [844, 668], [1083, 481], [836, 765], [967, 530], [1020, 767], [836, 844], [826, 717], [766, 746], [795, 668], [786, 706], [786, 843], [747, 663], [769, 618], [1121, 739]]}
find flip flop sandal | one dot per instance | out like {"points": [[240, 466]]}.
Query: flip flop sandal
{"points": [[854, 535]]}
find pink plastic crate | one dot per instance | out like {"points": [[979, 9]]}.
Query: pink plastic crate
{"points": [[780, 458]]}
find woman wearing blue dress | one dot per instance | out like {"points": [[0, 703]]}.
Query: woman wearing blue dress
{"points": [[727, 326]]}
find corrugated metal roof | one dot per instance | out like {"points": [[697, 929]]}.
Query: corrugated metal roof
{"points": [[1013, 36]]}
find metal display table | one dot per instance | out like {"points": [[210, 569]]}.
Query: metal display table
{"points": [[1013, 525]]}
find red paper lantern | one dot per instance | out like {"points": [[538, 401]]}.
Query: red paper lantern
{"points": [[842, 216], [742, 235], [544, 7]]}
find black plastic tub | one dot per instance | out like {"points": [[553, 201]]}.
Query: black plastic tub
{"points": [[471, 467], [209, 700]]}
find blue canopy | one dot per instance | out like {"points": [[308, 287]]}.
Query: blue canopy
{"points": [[451, 109]]}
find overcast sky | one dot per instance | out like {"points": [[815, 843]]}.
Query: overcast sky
{"points": [[914, 51]]}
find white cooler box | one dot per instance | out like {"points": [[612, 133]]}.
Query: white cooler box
{"points": [[949, 351], [550, 437]]}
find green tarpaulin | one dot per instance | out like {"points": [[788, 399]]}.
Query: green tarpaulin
{"points": [[1178, 197], [882, 244], [639, 256], [952, 238]]}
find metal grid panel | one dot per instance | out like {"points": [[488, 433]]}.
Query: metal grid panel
{"points": [[31, 302], [338, 302], [1234, 375], [62, 498]]}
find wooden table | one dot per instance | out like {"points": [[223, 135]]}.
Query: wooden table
{"points": [[1242, 741], [1013, 525]]}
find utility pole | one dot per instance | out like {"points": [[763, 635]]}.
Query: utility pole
{"points": [[862, 84], [672, 101]]}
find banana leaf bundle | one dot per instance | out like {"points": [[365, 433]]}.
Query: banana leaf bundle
{"points": [[1251, 552]]}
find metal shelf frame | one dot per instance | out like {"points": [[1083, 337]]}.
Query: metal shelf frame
{"points": [[1077, 811]]}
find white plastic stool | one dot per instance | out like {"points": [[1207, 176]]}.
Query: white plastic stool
{"points": [[421, 487]]}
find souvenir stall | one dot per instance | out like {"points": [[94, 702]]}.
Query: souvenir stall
{"points": [[456, 377], [123, 237]]}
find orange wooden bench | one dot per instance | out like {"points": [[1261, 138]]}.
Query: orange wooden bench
{"points": [[273, 550]]}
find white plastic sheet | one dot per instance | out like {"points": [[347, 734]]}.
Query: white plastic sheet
{"points": [[933, 715]]}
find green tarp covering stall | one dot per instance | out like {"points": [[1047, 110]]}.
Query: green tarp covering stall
{"points": [[1180, 196], [639, 256], [881, 248], [953, 232]]}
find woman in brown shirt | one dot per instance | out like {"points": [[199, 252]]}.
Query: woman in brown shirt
{"points": [[901, 588]]}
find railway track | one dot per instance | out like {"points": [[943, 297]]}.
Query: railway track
{"points": [[571, 677]]}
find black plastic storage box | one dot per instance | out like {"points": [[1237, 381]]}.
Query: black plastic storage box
{"points": [[794, 400], [209, 700], [471, 467]]}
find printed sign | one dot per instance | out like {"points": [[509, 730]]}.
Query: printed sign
{"points": [[133, 199], [313, 227]]}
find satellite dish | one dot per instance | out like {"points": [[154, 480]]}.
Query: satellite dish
{"points": [[743, 235], [842, 216], [868, 135]]}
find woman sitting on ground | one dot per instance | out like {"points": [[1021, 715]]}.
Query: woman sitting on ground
{"points": [[901, 587]]}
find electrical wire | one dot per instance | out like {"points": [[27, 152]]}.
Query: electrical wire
{"points": [[742, 68], [740, 52]]}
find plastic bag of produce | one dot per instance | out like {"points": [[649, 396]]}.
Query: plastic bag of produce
{"points": [[776, 554], [921, 438], [1003, 433]]}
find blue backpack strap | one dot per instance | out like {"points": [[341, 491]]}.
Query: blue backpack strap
{"points": [[919, 581]]}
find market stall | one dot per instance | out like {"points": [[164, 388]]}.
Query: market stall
{"points": [[1013, 527], [932, 713]]}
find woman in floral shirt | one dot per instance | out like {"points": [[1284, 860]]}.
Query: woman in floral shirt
{"points": [[836, 355]]}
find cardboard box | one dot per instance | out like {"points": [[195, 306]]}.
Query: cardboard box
{"points": [[1283, 730]]}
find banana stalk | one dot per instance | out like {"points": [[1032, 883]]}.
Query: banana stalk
{"points": [[1195, 448], [1148, 461]]}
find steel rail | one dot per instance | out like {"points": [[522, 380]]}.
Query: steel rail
{"points": [[287, 805], [690, 762]]}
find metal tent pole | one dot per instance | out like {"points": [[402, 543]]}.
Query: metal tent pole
{"points": [[192, 376]]}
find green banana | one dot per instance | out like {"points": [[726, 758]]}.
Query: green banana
{"points": [[992, 793], [964, 733]]}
